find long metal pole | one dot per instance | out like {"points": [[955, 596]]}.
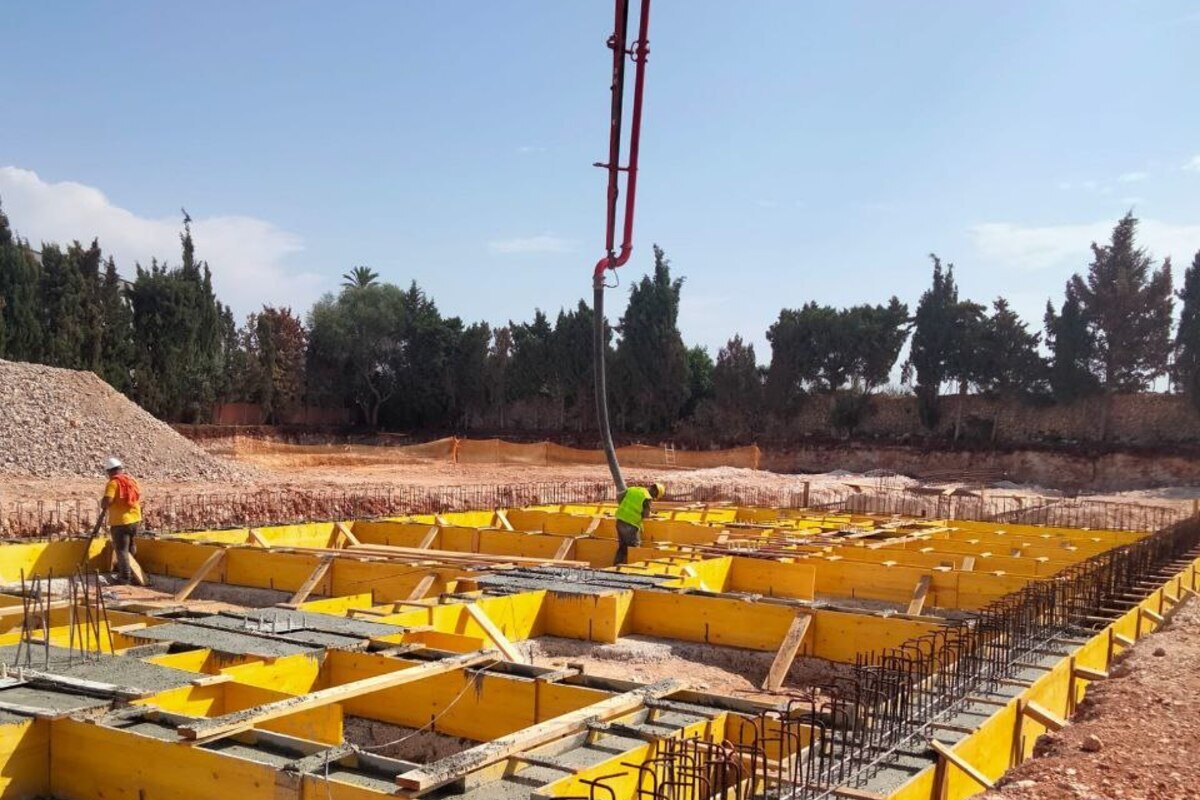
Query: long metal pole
{"points": [[615, 257]]}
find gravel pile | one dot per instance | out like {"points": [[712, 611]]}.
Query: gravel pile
{"points": [[58, 423]]}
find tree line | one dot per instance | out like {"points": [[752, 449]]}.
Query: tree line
{"points": [[167, 341]]}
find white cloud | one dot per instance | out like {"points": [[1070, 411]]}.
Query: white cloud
{"points": [[247, 255], [524, 245], [1193, 164], [1133, 177], [1040, 247]]}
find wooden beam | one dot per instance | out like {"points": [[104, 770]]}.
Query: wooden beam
{"points": [[255, 538], [1043, 715], [1153, 616], [592, 526], [311, 581], [787, 652], [502, 518], [430, 535], [1123, 640], [564, 549], [350, 538], [958, 761], [135, 569], [510, 651], [1088, 674], [208, 566], [917, 604], [248, 718], [426, 778], [422, 588]]}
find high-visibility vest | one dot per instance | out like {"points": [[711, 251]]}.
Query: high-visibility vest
{"points": [[630, 509]]}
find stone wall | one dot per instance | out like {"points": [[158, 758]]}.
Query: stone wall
{"points": [[1142, 419]]}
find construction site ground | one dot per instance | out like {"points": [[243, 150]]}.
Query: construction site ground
{"points": [[361, 468], [1135, 735], [1144, 719]]}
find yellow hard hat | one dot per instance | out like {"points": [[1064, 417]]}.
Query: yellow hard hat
{"points": [[659, 490]]}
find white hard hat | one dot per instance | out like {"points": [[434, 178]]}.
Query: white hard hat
{"points": [[112, 463]]}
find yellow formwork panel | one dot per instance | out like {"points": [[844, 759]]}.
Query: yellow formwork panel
{"points": [[40, 559], [590, 617], [1029, 567], [1066, 555], [474, 705], [93, 762], [296, 674], [730, 622], [1115, 537], [774, 578], [25, 756], [518, 616]]}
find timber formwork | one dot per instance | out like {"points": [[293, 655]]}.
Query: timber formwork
{"points": [[959, 643]]}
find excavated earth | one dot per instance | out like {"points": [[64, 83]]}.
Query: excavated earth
{"points": [[1136, 736], [61, 423]]}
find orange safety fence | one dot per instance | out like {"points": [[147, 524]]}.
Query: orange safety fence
{"points": [[498, 451]]}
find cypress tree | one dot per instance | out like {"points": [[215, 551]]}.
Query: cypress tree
{"points": [[934, 341], [1072, 349], [1127, 305], [1186, 370]]}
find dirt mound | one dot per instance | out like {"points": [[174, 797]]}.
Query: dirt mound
{"points": [[57, 423]]}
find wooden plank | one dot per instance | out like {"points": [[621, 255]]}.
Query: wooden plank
{"points": [[917, 604], [1088, 674], [787, 652], [510, 651], [1043, 715], [422, 588], [848, 793], [136, 571], [564, 549], [1155, 617], [1123, 640], [311, 581], [248, 718], [208, 566], [958, 761], [430, 776], [255, 538], [430, 535], [350, 539], [502, 518], [592, 526]]}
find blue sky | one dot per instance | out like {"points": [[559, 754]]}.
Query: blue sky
{"points": [[792, 151]]}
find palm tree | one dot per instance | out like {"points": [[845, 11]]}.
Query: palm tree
{"points": [[359, 278]]}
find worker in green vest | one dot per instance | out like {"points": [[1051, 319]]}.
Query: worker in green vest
{"points": [[633, 507]]}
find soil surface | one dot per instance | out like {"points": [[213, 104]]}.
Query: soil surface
{"points": [[1136, 736], [717, 670]]}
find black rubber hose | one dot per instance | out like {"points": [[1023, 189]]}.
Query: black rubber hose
{"points": [[599, 348]]}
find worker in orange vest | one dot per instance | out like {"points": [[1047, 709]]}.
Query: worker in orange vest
{"points": [[122, 502]]}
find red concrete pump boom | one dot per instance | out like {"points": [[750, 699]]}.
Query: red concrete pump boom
{"points": [[615, 256]]}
